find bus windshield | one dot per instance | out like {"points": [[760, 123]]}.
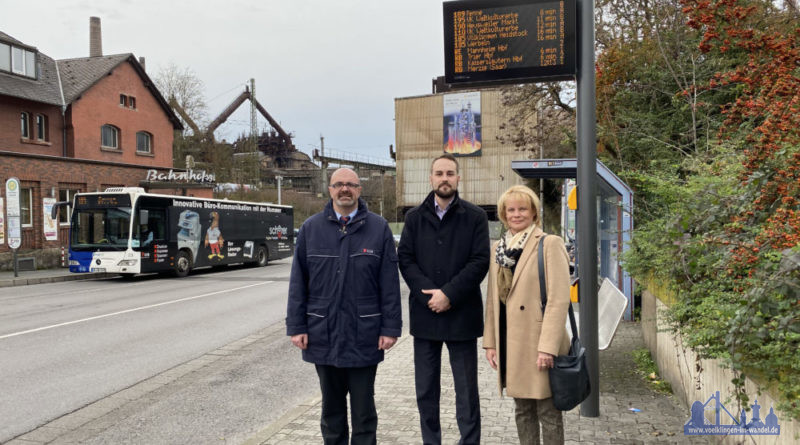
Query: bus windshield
{"points": [[101, 229]]}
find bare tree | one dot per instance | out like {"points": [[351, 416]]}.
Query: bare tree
{"points": [[187, 89]]}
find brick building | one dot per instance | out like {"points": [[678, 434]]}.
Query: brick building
{"points": [[77, 125]]}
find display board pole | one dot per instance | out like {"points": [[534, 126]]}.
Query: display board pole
{"points": [[16, 272], [587, 204]]}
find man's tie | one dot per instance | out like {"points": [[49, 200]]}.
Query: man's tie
{"points": [[344, 220]]}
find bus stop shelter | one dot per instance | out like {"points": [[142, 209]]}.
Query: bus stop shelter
{"points": [[614, 212]]}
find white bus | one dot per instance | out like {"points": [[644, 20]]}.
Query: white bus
{"points": [[128, 231]]}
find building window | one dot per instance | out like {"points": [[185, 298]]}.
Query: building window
{"points": [[109, 135], [23, 62], [25, 206], [144, 142], [24, 121], [123, 100], [41, 127], [17, 60], [66, 195], [132, 102], [5, 57]]}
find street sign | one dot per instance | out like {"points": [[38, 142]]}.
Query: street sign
{"points": [[13, 213], [12, 195]]}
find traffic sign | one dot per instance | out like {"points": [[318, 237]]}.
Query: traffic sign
{"points": [[13, 213]]}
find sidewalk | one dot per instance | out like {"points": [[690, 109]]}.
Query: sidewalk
{"points": [[659, 421], [7, 278]]}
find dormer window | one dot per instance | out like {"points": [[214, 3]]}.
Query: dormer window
{"points": [[17, 60]]}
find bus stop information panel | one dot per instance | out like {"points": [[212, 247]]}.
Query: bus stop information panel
{"points": [[509, 41]]}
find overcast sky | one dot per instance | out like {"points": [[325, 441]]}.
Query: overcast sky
{"points": [[330, 68]]}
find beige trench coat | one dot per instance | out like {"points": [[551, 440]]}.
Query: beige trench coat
{"points": [[527, 331]]}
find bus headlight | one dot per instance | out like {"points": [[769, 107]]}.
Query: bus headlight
{"points": [[74, 263], [127, 263]]}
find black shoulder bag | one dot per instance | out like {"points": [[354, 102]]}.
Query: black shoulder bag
{"points": [[569, 376]]}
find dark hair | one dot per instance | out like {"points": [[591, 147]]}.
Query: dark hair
{"points": [[447, 156]]}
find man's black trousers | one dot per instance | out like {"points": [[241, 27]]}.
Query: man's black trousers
{"points": [[427, 374], [336, 383]]}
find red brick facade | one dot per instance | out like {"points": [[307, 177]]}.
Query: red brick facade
{"points": [[46, 176], [11, 129], [100, 105], [49, 167]]}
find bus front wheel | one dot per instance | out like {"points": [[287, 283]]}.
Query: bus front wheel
{"points": [[183, 264], [262, 258]]}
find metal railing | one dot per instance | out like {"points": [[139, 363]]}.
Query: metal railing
{"points": [[355, 157]]}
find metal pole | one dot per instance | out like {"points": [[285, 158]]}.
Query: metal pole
{"points": [[16, 273], [539, 134], [324, 165], [279, 179], [383, 177], [587, 204]]}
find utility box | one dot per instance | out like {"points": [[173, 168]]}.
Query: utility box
{"points": [[26, 264]]}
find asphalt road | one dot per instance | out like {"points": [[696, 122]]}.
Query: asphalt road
{"points": [[66, 345]]}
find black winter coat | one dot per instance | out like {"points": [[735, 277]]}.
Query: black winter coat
{"points": [[451, 255]]}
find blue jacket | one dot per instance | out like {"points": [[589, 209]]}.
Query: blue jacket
{"points": [[344, 290]]}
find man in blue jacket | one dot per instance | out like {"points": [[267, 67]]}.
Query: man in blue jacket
{"points": [[444, 255], [344, 306]]}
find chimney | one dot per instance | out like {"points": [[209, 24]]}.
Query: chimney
{"points": [[141, 62], [95, 38]]}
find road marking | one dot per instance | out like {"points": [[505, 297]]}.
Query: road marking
{"points": [[149, 306]]}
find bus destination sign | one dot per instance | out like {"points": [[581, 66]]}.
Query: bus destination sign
{"points": [[509, 41], [102, 201]]}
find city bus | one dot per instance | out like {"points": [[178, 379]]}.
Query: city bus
{"points": [[128, 231]]}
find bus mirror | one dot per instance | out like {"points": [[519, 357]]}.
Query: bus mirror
{"points": [[144, 215], [54, 210]]}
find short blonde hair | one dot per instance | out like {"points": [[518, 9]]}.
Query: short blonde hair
{"points": [[514, 193]]}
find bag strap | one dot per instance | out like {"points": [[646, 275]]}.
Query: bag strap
{"points": [[543, 289]]}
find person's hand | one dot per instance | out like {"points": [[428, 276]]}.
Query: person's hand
{"points": [[385, 343], [438, 301], [491, 355], [300, 340], [544, 361]]}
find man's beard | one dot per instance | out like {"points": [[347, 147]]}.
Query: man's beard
{"points": [[340, 200], [445, 194]]}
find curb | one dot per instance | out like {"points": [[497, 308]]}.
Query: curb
{"points": [[20, 281]]}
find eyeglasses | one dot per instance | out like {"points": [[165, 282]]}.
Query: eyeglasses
{"points": [[338, 185]]}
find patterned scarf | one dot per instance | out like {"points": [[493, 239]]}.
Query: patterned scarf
{"points": [[507, 253]]}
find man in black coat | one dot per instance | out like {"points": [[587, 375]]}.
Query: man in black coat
{"points": [[444, 256]]}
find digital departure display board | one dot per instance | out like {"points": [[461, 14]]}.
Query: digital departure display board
{"points": [[509, 41]]}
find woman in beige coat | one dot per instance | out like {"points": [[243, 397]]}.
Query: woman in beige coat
{"points": [[519, 340]]}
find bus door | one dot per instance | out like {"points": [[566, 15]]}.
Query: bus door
{"points": [[151, 238]]}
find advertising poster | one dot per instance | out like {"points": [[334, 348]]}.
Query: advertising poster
{"points": [[462, 124], [50, 226], [2, 223]]}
